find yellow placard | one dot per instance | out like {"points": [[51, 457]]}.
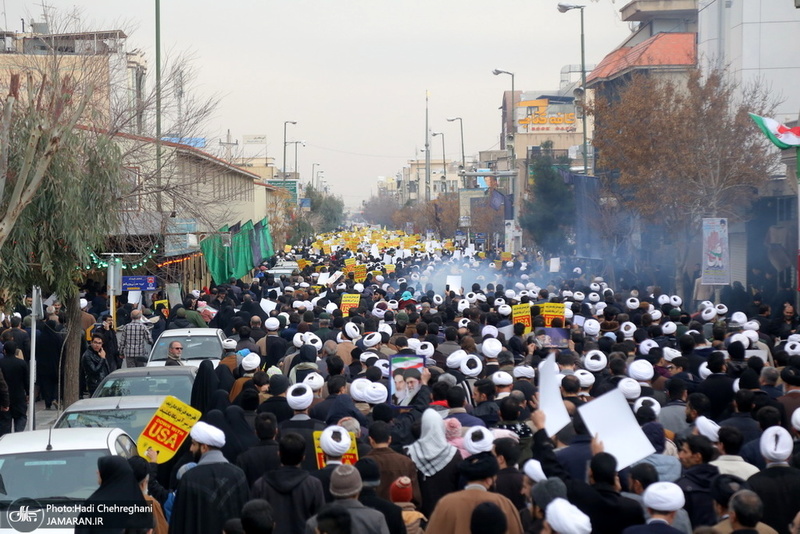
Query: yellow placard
{"points": [[551, 310], [350, 457], [168, 429], [287, 248], [390, 267], [360, 272], [349, 262], [303, 263], [521, 313], [349, 300], [505, 256]]}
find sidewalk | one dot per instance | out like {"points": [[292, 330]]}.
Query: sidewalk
{"points": [[44, 418]]}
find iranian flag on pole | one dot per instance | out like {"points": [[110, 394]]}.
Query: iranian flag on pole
{"points": [[782, 136]]}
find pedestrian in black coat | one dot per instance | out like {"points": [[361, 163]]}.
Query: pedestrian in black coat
{"points": [[264, 457], [695, 453], [15, 373]]}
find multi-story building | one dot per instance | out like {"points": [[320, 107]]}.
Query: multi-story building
{"points": [[192, 194], [412, 184]]}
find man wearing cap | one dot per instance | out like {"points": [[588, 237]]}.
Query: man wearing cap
{"points": [[778, 485], [277, 403], [345, 487], [662, 500], [299, 397], [213, 491], [135, 340], [453, 511]]}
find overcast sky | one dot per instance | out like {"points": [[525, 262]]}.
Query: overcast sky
{"points": [[353, 73]]}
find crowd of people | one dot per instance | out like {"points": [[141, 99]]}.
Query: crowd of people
{"points": [[416, 408]]}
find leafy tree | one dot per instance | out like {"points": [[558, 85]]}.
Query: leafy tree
{"points": [[59, 201], [326, 214], [548, 216], [685, 149]]}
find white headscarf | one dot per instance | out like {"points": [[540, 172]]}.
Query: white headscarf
{"points": [[431, 452]]}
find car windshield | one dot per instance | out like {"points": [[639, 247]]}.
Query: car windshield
{"points": [[194, 347], [43, 475], [179, 386], [132, 421]]}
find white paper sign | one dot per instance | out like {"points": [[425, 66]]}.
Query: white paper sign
{"points": [[756, 352], [507, 331], [550, 396], [323, 278], [456, 254], [555, 265], [610, 417], [454, 281], [267, 305], [134, 297]]}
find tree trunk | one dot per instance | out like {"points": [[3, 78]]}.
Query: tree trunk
{"points": [[72, 348]]}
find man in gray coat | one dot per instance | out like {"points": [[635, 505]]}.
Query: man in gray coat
{"points": [[345, 488]]}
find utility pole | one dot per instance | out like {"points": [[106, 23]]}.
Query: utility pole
{"points": [[228, 143], [427, 153]]}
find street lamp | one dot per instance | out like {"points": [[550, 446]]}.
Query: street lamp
{"points": [[463, 158], [295, 143], [563, 8], [284, 145], [444, 158], [313, 167], [510, 225]]}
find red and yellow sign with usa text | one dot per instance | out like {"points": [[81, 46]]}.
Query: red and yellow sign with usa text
{"points": [[521, 313], [350, 457], [168, 429]]}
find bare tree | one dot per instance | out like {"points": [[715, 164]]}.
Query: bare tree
{"points": [[684, 150]]}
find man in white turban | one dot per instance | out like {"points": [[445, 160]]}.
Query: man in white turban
{"points": [[213, 491], [335, 441], [299, 397]]}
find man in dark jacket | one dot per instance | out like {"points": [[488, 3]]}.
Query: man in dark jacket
{"points": [[15, 372], [294, 494], [609, 511], [335, 385], [263, 458], [94, 363], [486, 408], [695, 453], [576, 456], [277, 403], [371, 479], [779, 484], [718, 387]]}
